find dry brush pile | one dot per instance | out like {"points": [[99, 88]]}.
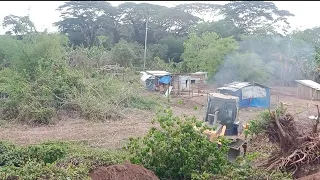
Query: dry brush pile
{"points": [[296, 150]]}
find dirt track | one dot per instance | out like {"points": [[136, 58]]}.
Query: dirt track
{"points": [[113, 134]]}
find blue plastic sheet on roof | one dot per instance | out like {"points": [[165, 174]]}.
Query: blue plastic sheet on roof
{"points": [[165, 79]]}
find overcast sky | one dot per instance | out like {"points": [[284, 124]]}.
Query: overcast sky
{"points": [[43, 13]]}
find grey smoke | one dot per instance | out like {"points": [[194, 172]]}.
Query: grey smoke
{"points": [[271, 60]]}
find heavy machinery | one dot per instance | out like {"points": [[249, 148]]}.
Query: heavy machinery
{"points": [[222, 115]]}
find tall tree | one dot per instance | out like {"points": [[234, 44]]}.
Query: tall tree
{"points": [[200, 10], [175, 47], [162, 21], [222, 27], [133, 17], [83, 21], [207, 52], [18, 25], [253, 17]]}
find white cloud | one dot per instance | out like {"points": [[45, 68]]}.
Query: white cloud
{"points": [[43, 13]]}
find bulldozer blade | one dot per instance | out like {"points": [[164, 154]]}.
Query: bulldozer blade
{"points": [[233, 154]]}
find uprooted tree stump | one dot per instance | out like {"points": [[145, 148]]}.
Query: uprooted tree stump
{"points": [[296, 150]]}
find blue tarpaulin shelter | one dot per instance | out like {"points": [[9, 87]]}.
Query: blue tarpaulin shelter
{"points": [[250, 94], [165, 79], [153, 79]]}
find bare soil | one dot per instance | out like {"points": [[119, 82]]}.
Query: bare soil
{"points": [[311, 177], [108, 134], [126, 171], [113, 134]]}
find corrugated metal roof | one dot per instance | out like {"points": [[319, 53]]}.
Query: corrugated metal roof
{"points": [[309, 83], [158, 73], [200, 72], [235, 86], [223, 96]]}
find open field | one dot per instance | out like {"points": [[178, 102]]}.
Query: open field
{"points": [[113, 134]]}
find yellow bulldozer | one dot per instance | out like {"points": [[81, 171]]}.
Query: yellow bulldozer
{"points": [[222, 115]]}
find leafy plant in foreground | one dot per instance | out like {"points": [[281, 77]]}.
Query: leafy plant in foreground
{"points": [[178, 150]]}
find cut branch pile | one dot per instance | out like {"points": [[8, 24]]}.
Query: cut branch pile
{"points": [[296, 150]]}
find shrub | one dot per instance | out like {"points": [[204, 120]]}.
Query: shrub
{"points": [[178, 150], [53, 160], [39, 81]]}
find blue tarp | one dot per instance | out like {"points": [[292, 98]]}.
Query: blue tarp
{"points": [[165, 79]]}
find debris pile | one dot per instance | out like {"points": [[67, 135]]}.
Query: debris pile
{"points": [[295, 150]]}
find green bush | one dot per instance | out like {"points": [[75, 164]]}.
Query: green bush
{"points": [[46, 76], [53, 160], [243, 169], [178, 150]]}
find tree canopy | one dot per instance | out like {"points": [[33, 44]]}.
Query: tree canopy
{"points": [[190, 37]]}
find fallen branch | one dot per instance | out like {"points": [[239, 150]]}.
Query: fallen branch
{"points": [[296, 150]]}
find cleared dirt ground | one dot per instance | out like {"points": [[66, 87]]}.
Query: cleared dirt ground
{"points": [[113, 134]]}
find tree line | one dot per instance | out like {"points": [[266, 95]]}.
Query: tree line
{"points": [[243, 34]]}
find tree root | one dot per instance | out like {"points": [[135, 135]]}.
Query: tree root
{"points": [[296, 150]]}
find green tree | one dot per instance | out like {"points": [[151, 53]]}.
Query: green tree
{"points": [[200, 9], [84, 21], [207, 52], [222, 27], [157, 50], [175, 47], [162, 22], [18, 25], [127, 54], [256, 17]]}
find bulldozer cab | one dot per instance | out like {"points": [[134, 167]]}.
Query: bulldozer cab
{"points": [[223, 110]]}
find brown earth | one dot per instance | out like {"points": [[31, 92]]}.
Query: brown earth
{"points": [[311, 177], [126, 171], [113, 134]]}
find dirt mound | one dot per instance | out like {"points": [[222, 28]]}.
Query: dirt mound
{"points": [[311, 177], [126, 171]]}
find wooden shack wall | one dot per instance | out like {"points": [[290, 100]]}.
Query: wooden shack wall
{"points": [[201, 76], [306, 92]]}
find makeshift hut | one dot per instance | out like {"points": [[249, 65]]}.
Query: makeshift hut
{"points": [[250, 94], [203, 76], [308, 89], [153, 80]]}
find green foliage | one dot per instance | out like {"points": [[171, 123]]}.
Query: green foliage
{"points": [[223, 27], [19, 25], [53, 160], [157, 50], [256, 17], [178, 150], [127, 54], [207, 52], [246, 172], [39, 81], [175, 47], [172, 67], [243, 169], [257, 125]]}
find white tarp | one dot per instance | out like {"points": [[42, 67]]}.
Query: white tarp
{"points": [[253, 92], [145, 76]]}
